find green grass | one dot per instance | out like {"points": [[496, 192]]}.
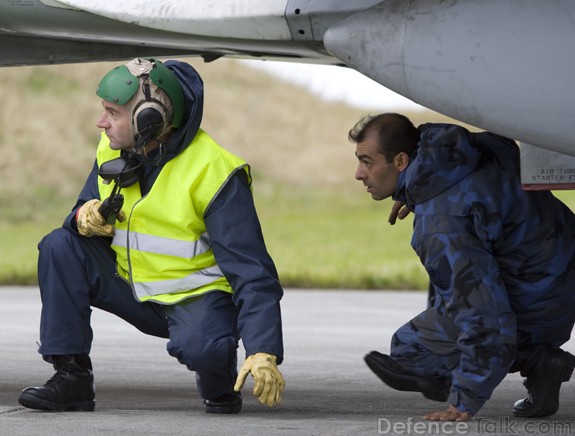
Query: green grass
{"points": [[317, 238], [18, 252], [321, 238], [321, 228]]}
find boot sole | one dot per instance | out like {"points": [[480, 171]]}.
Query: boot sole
{"points": [[32, 402], [224, 410]]}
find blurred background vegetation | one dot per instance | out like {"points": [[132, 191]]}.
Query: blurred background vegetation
{"points": [[321, 227]]}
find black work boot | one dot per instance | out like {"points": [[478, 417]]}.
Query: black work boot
{"points": [[543, 383], [226, 404], [71, 388], [399, 378]]}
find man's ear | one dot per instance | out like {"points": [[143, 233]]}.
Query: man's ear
{"points": [[401, 161]]}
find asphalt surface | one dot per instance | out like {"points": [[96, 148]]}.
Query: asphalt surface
{"points": [[141, 390]]}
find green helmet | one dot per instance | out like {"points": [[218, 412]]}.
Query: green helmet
{"points": [[120, 85]]}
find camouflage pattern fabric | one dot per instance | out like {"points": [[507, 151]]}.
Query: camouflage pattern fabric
{"points": [[501, 261]]}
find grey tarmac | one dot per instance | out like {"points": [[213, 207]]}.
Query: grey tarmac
{"points": [[141, 390]]}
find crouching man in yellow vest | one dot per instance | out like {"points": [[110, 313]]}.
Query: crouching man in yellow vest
{"points": [[164, 235]]}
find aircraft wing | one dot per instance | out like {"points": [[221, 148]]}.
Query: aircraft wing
{"points": [[36, 32], [506, 66]]}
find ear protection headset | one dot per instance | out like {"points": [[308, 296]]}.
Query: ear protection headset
{"points": [[149, 117]]}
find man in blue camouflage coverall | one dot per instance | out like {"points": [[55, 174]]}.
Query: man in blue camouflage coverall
{"points": [[500, 260]]}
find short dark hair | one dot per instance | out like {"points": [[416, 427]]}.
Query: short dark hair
{"points": [[395, 133]]}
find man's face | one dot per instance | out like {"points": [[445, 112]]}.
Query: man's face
{"points": [[115, 120], [379, 176]]}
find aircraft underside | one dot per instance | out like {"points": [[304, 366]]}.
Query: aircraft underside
{"points": [[503, 65]]}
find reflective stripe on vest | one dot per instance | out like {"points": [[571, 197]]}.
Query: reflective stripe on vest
{"points": [[161, 245], [193, 281], [163, 248], [169, 247]]}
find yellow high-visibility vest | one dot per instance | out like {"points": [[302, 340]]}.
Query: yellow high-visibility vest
{"points": [[163, 249]]}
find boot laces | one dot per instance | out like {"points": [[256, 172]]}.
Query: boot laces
{"points": [[57, 378]]}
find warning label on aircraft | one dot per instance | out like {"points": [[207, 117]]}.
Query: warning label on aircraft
{"points": [[546, 170]]}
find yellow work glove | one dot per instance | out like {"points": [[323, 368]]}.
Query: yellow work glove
{"points": [[91, 223], [268, 380]]}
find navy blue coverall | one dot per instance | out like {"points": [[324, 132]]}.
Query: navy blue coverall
{"points": [[501, 262], [76, 273]]}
